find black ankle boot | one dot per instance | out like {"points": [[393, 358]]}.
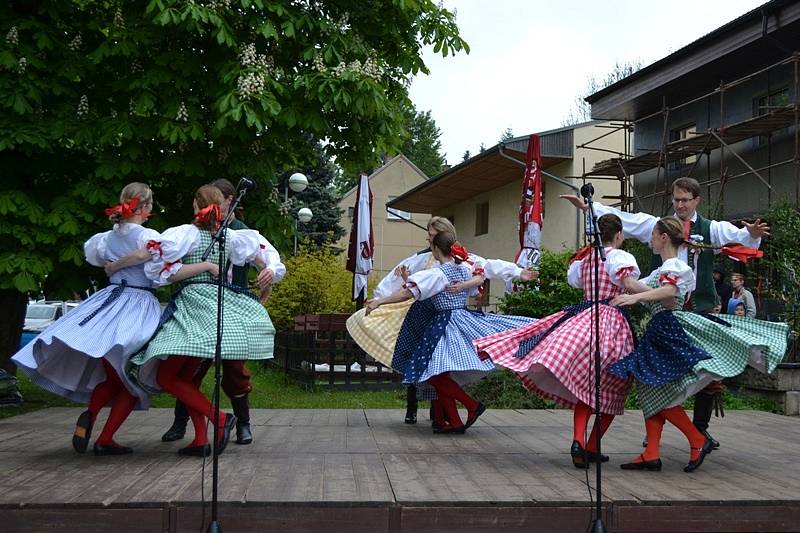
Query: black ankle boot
{"points": [[178, 428], [241, 408]]}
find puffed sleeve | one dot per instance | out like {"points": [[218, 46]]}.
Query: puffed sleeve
{"points": [[621, 264], [575, 274], [393, 283], [272, 259], [167, 252], [95, 249], [427, 283], [147, 235], [244, 246], [676, 272], [723, 232], [499, 269]]}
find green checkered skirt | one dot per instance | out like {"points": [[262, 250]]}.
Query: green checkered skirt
{"points": [[746, 341]]}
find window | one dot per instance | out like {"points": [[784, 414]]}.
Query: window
{"points": [[678, 134], [396, 214], [482, 219], [764, 104], [350, 212]]}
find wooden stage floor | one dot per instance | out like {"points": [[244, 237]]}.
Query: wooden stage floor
{"points": [[366, 471]]}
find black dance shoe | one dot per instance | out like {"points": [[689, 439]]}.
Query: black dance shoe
{"points": [[579, 458], [592, 457], [450, 430], [651, 466], [714, 441], [230, 424], [411, 416], [175, 432], [707, 448], [473, 417], [196, 451], [83, 432], [101, 449]]}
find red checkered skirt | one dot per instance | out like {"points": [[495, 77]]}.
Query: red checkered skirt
{"points": [[560, 367]]}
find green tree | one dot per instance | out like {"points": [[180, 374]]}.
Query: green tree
{"points": [[466, 156], [320, 197], [507, 135], [422, 145], [95, 94]]}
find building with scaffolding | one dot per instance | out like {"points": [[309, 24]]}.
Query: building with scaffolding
{"points": [[723, 110]]}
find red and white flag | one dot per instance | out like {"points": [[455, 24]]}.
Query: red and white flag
{"points": [[530, 207], [362, 245]]}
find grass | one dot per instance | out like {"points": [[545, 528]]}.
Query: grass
{"points": [[270, 390], [500, 390]]}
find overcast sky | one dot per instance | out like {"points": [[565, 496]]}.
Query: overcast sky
{"points": [[529, 59]]}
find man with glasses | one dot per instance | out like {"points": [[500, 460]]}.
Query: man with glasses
{"points": [[685, 199]]}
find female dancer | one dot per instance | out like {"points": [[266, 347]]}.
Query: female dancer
{"points": [[673, 360], [443, 355], [554, 356], [83, 355], [377, 333], [188, 336]]}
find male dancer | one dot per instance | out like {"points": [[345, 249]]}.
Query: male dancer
{"points": [[685, 199], [235, 376]]}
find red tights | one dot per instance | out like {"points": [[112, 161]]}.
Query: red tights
{"points": [[678, 418], [122, 403], [175, 376], [448, 392], [580, 421]]}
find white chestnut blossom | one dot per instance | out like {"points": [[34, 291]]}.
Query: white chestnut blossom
{"points": [[83, 106], [12, 37]]}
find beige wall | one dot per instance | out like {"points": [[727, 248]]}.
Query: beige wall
{"points": [[560, 217], [394, 239]]}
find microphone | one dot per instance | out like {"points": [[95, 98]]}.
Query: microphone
{"points": [[587, 190], [247, 184]]}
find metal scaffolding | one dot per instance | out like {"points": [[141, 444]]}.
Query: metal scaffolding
{"points": [[702, 143]]}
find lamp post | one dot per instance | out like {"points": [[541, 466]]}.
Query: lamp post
{"points": [[304, 215]]}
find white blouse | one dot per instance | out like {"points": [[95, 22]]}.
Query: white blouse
{"points": [[96, 248], [674, 272], [243, 246], [618, 265]]}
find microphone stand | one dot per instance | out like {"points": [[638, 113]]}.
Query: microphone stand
{"points": [[599, 255], [219, 238]]}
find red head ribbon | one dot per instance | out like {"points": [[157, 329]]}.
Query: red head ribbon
{"points": [[206, 214], [459, 252], [125, 209]]}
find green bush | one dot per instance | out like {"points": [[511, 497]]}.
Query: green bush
{"points": [[316, 282], [546, 294]]}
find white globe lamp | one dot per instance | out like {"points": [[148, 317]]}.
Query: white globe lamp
{"points": [[304, 214], [298, 182]]}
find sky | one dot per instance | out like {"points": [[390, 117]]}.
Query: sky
{"points": [[530, 59]]}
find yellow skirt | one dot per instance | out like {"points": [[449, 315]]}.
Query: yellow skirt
{"points": [[377, 333]]}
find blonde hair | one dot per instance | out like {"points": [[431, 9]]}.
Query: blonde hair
{"points": [[133, 190], [441, 225]]}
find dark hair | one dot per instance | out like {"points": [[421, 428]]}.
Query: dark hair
{"points": [[673, 228], [444, 241], [609, 225], [225, 187], [205, 196], [689, 185]]}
